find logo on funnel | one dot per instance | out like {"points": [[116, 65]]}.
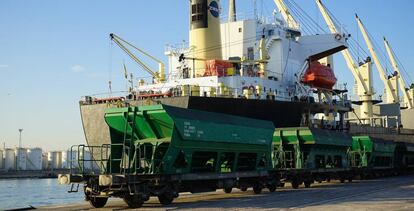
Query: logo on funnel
{"points": [[214, 9]]}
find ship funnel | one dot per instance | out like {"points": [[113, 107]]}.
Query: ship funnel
{"points": [[232, 11], [205, 36]]}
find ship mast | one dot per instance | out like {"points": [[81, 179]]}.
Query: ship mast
{"points": [[232, 11]]}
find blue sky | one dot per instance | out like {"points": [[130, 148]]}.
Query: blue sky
{"points": [[54, 52]]}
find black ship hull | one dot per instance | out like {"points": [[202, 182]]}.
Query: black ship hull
{"points": [[281, 113]]}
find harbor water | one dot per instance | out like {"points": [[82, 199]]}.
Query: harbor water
{"points": [[21, 193]]}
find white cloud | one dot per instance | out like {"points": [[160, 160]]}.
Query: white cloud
{"points": [[4, 65], [77, 68]]}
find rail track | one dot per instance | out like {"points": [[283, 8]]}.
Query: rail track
{"points": [[391, 193]]}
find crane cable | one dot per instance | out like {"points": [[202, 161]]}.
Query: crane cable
{"points": [[410, 81], [381, 53], [307, 17], [354, 45]]}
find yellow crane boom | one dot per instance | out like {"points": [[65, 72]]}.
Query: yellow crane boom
{"points": [[290, 20], [387, 83], [403, 86], [362, 73], [159, 76], [345, 53]]}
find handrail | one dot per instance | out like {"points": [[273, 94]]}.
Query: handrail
{"points": [[81, 150]]}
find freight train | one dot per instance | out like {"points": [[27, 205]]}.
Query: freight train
{"points": [[162, 151]]}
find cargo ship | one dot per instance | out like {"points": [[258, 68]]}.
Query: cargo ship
{"points": [[248, 103], [250, 67]]}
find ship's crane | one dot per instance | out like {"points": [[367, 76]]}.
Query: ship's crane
{"points": [[346, 54], [362, 73], [290, 20], [403, 87], [158, 76], [389, 83]]}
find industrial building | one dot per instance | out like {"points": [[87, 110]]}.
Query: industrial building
{"points": [[34, 159]]}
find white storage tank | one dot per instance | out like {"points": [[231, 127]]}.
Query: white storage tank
{"points": [[34, 159], [9, 160], [21, 158], [59, 160], [86, 157], [1, 159], [69, 158], [45, 161], [50, 159], [55, 159]]}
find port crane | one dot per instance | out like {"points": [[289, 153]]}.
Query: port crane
{"points": [[403, 87], [390, 82], [361, 72], [159, 75]]}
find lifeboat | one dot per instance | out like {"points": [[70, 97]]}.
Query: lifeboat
{"points": [[319, 76]]}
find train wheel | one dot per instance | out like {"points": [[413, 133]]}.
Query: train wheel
{"points": [[133, 201], [243, 189], [98, 202], [342, 180], [295, 184], [308, 184], [166, 198], [227, 190], [257, 189], [272, 188], [318, 179]]}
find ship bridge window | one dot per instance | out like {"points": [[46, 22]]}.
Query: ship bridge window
{"points": [[240, 30], [196, 8], [197, 12], [199, 8]]}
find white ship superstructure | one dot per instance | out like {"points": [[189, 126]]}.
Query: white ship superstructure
{"points": [[269, 59]]}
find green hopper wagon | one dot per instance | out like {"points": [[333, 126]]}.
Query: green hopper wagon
{"points": [[162, 150], [309, 154], [372, 157]]}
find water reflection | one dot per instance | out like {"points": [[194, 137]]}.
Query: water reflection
{"points": [[18, 193]]}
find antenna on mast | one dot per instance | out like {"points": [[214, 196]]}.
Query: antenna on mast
{"points": [[255, 8]]}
